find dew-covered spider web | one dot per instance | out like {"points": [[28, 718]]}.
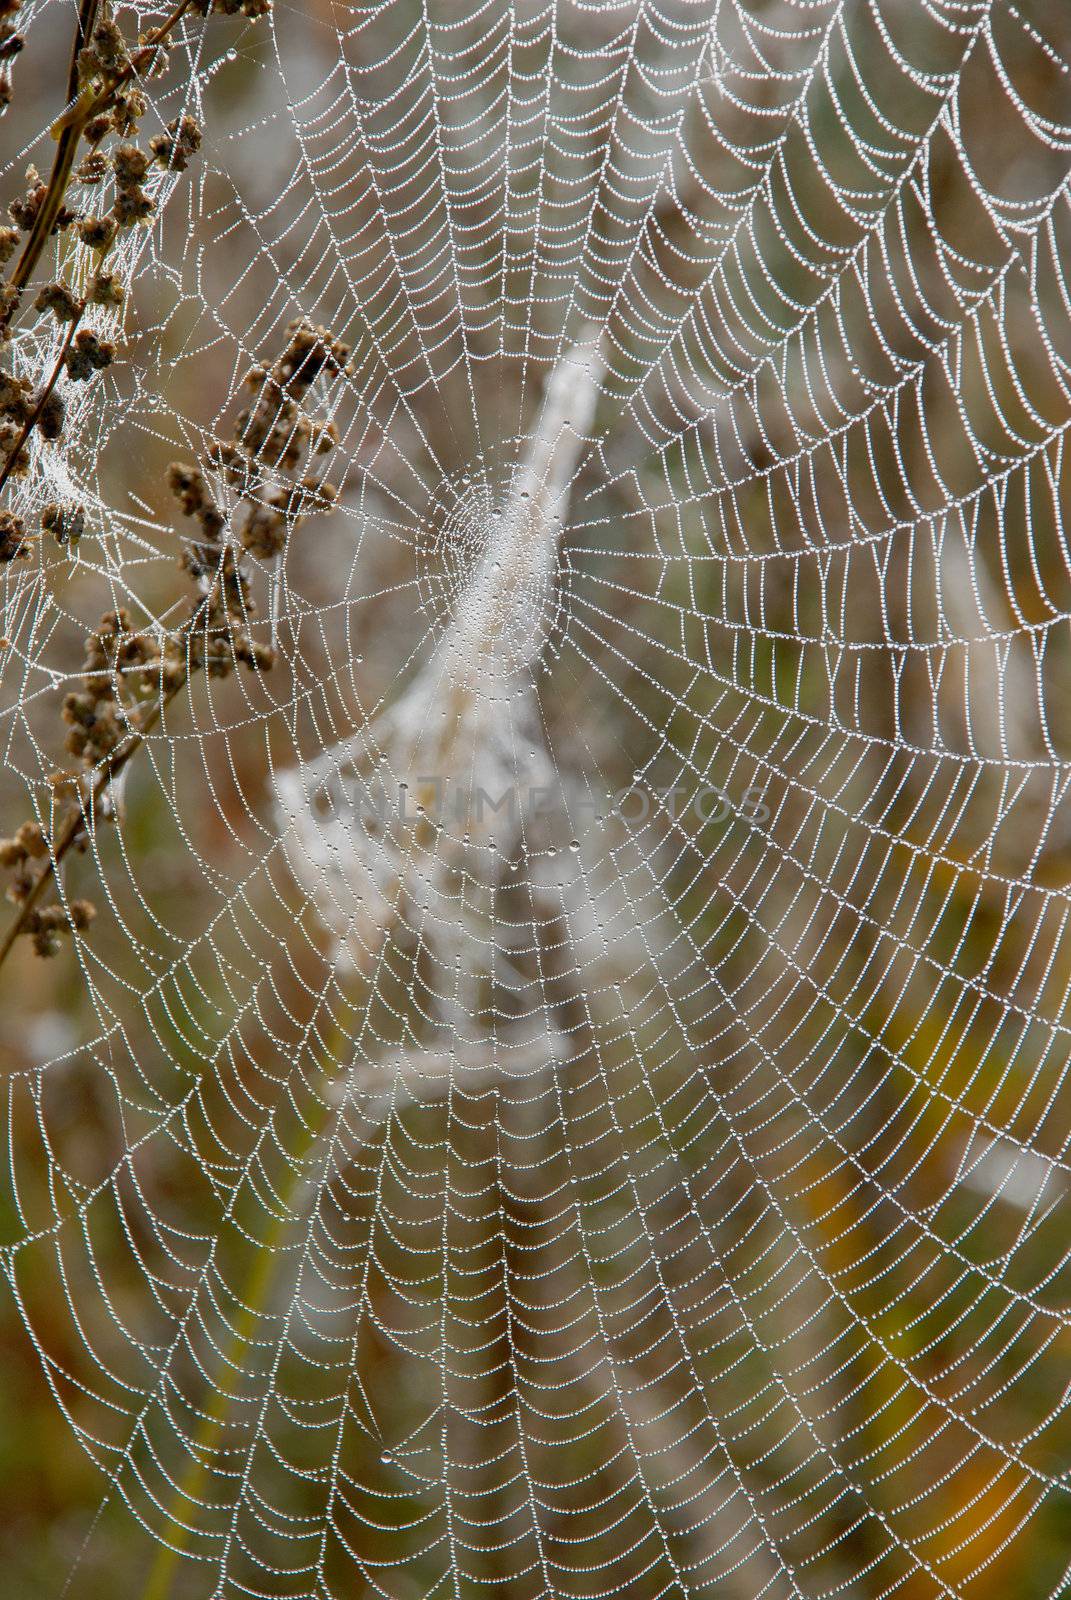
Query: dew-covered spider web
{"points": [[567, 1088]]}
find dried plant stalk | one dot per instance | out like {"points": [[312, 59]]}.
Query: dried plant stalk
{"points": [[271, 434]]}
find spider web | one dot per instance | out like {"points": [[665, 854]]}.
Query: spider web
{"points": [[571, 1098]]}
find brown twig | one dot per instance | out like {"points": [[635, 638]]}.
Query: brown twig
{"points": [[76, 823], [271, 427], [35, 416], [63, 161], [67, 130], [88, 104]]}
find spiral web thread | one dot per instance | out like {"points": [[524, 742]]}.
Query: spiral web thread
{"points": [[651, 1182]]}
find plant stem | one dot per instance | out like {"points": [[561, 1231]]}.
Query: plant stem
{"points": [[89, 104], [60, 176], [68, 130], [75, 824], [31, 423]]}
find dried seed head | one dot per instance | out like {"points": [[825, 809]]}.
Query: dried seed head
{"points": [[188, 486], [66, 524], [130, 164], [11, 853], [129, 108], [256, 656], [174, 148], [98, 233], [91, 168], [45, 941], [32, 840], [96, 129], [110, 45], [79, 710], [113, 623], [212, 523], [17, 464], [89, 64], [51, 415], [154, 58], [9, 238], [57, 298], [12, 537], [82, 913], [317, 496], [264, 532], [87, 355], [107, 290], [24, 212], [132, 205], [311, 351], [21, 886], [324, 437], [15, 398]]}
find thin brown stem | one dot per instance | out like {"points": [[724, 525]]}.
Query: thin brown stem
{"points": [[145, 52], [87, 21], [58, 181], [35, 416], [89, 104], [67, 131], [62, 163], [76, 823]]}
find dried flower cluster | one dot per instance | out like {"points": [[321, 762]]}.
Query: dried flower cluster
{"points": [[11, 43], [123, 671], [129, 676], [124, 675], [12, 537], [107, 69], [218, 631], [84, 352], [66, 524], [44, 925], [274, 433]]}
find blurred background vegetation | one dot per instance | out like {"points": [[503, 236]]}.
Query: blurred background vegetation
{"points": [[819, 1125]]}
